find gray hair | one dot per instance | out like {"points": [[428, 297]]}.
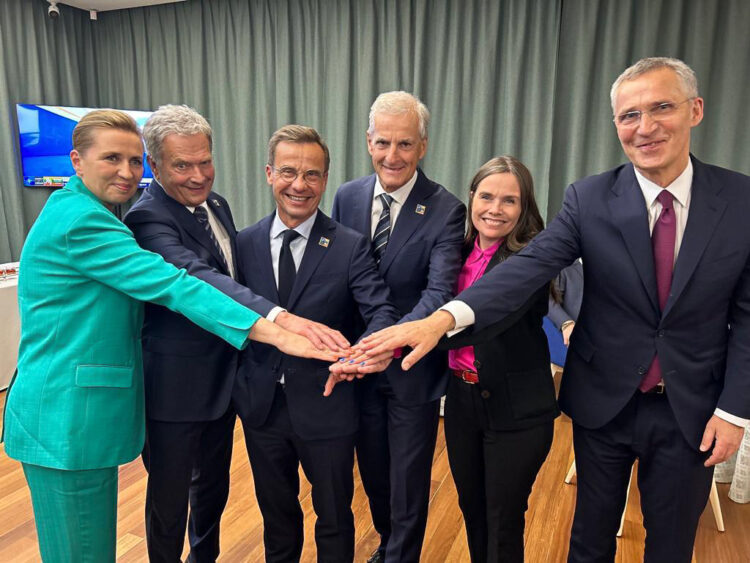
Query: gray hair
{"points": [[686, 75], [173, 120], [398, 102]]}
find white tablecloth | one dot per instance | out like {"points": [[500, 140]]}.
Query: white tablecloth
{"points": [[10, 330], [737, 471]]}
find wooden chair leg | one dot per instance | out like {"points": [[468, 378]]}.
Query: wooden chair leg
{"points": [[624, 510], [713, 498], [571, 472]]}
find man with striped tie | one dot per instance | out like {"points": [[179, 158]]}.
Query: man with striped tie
{"points": [[190, 374], [416, 227]]}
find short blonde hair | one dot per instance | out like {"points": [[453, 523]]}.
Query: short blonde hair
{"points": [[83, 134], [396, 103], [298, 134]]}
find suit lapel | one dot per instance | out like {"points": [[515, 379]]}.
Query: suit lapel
{"points": [[262, 253], [321, 238], [629, 214], [706, 209], [188, 221], [416, 211], [361, 209]]}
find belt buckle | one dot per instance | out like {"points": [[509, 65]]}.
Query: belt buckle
{"points": [[464, 378]]}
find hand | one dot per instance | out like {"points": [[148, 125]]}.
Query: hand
{"points": [[566, 332], [289, 343], [319, 334], [360, 363], [725, 438], [422, 336]]}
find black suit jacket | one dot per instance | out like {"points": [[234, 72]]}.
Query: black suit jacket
{"points": [[512, 360], [337, 280], [420, 266], [702, 336], [189, 373]]}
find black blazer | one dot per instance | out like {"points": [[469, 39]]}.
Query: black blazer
{"points": [[336, 280], [188, 372], [512, 360]]}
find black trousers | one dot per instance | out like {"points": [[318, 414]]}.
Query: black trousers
{"points": [[188, 465], [672, 480], [395, 445], [276, 452], [494, 472]]}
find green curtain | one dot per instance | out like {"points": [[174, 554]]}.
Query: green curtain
{"points": [[525, 77]]}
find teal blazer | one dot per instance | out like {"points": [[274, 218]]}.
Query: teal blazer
{"points": [[77, 401]]}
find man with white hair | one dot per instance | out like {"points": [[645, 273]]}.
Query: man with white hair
{"points": [[189, 373], [658, 364], [416, 227]]}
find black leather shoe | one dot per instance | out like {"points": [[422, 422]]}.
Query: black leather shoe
{"points": [[377, 556]]}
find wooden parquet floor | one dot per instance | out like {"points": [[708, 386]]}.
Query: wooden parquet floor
{"points": [[547, 529]]}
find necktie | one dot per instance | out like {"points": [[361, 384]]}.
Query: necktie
{"points": [[383, 228], [287, 269], [201, 215], [662, 241]]}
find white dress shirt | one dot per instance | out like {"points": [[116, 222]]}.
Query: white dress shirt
{"points": [[297, 246], [681, 189], [399, 199]]}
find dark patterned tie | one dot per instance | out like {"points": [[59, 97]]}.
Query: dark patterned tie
{"points": [[201, 215], [383, 228], [287, 269], [662, 241]]}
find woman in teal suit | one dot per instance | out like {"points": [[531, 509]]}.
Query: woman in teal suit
{"points": [[76, 409]]}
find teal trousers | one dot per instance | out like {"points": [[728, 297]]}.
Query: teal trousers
{"points": [[75, 513]]}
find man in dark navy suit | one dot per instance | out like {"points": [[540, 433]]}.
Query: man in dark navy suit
{"points": [[416, 227], [658, 364], [189, 373], [290, 410]]}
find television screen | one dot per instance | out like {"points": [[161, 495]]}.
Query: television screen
{"points": [[45, 138]]}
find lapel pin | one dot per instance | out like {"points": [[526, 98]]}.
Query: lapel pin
{"points": [[216, 202], [324, 242], [420, 209]]}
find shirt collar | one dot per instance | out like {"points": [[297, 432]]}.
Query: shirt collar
{"points": [[400, 195], [478, 254], [680, 188], [304, 228]]}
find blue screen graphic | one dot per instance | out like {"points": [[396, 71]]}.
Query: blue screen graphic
{"points": [[45, 139]]}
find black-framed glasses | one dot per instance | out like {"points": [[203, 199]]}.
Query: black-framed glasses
{"points": [[658, 112], [289, 174]]}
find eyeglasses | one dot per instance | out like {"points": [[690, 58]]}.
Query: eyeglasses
{"points": [[658, 112], [310, 177]]}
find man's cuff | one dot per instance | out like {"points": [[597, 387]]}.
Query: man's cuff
{"points": [[462, 313], [273, 313], [736, 420]]}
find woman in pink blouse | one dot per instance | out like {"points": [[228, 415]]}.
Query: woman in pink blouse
{"points": [[500, 406]]}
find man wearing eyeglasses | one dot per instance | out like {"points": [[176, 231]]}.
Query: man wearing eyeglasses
{"points": [[659, 363], [189, 373], [317, 269]]}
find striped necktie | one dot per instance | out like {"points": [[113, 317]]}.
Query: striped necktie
{"points": [[383, 228], [201, 215]]}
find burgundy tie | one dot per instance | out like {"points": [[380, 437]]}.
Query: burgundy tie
{"points": [[662, 242]]}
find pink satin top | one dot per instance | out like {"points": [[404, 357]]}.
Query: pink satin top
{"points": [[472, 270]]}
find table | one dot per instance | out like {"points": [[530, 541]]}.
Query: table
{"points": [[10, 332]]}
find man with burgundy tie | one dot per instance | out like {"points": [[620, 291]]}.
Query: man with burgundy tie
{"points": [[324, 271], [659, 363], [416, 227], [189, 373]]}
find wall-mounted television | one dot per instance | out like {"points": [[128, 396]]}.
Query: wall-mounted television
{"points": [[45, 139]]}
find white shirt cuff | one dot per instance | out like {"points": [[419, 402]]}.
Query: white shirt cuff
{"points": [[462, 314], [273, 313], [736, 420]]}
